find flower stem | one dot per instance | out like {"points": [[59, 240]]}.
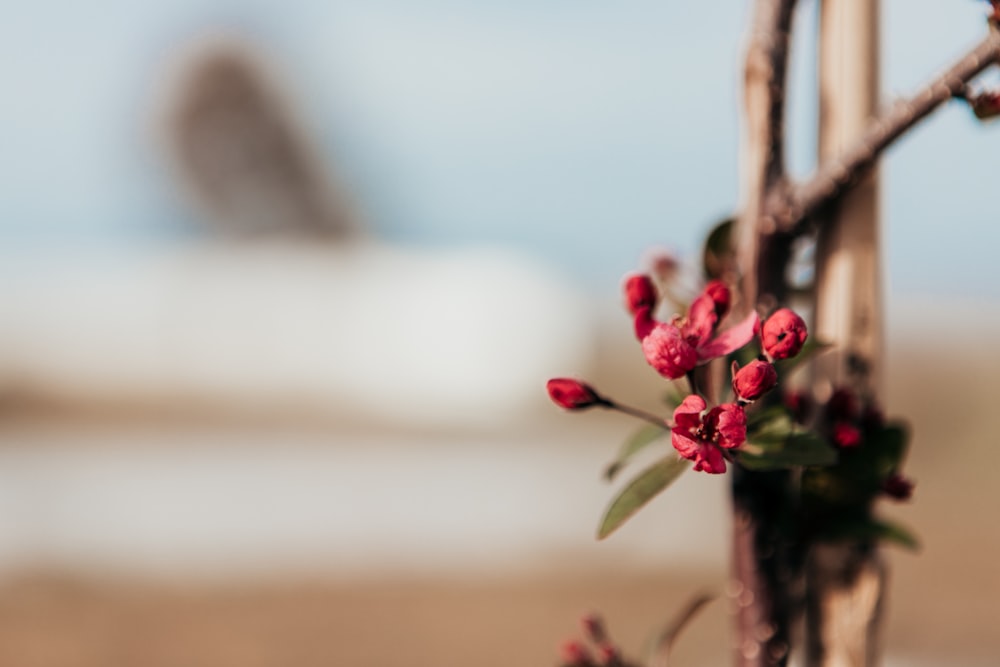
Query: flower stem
{"points": [[637, 413]]}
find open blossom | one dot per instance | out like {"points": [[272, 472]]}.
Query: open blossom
{"points": [[675, 348], [639, 293], [754, 380], [572, 394], [702, 437], [783, 334]]}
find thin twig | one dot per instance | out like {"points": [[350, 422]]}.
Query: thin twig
{"points": [[791, 210]]}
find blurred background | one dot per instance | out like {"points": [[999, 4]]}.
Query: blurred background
{"points": [[281, 284]]}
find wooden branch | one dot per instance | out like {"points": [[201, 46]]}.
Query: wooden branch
{"points": [[844, 582], [759, 585], [790, 210], [763, 131]]}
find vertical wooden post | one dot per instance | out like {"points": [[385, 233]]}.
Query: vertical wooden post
{"points": [[848, 279], [845, 582]]}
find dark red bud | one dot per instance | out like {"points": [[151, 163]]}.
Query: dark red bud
{"points": [[572, 394], [898, 487], [639, 293], [754, 380], [783, 334], [843, 405], [593, 628], [800, 404]]}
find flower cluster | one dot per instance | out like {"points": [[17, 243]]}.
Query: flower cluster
{"points": [[675, 348], [700, 433]]}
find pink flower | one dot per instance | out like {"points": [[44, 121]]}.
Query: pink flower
{"points": [[675, 348], [668, 351], [701, 438], [572, 394], [754, 380], [783, 334], [639, 293]]}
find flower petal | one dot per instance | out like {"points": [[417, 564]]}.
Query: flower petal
{"points": [[685, 446], [710, 460], [731, 339], [701, 320], [667, 351]]}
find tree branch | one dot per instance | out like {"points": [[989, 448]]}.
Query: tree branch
{"points": [[764, 129], [758, 587], [791, 209]]}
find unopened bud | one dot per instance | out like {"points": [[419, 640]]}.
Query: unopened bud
{"points": [[639, 293], [783, 334], [800, 404], [593, 627], [846, 436], [720, 295], [574, 654], [754, 380], [572, 394], [985, 105], [898, 487]]}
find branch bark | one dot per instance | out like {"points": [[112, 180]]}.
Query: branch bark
{"points": [[763, 134], [791, 210], [758, 589]]}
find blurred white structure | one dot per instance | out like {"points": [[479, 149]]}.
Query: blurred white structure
{"points": [[428, 338]]}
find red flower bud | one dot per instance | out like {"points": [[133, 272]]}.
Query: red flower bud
{"points": [[572, 394], [843, 405], [800, 404], [898, 487], [608, 655], [754, 380], [574, 653], [593, 628], [720, 296], [662, 263], [783, 334], [639, 293], [846, 435], [986, 105]]}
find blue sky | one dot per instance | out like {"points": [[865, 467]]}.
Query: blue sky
{"points": [[581, 132]]}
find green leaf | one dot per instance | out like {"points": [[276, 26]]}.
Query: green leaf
{"points": [[798, 449], [645, 436], [873, 529], [811, 349], [888, 447], [756, 419], [673, 396], [893, 532], [772, 429], [640, 491], [718, 256], [669, 634]]}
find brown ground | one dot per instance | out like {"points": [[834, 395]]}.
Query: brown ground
{"points": [[945, 602]]}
